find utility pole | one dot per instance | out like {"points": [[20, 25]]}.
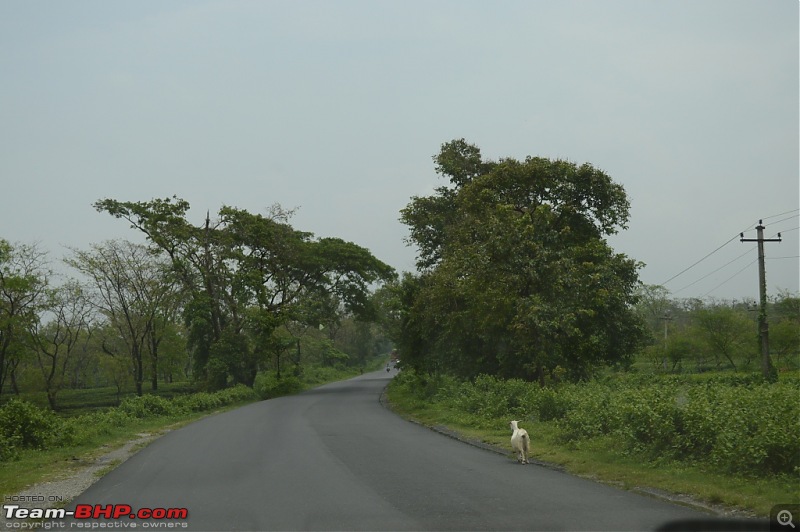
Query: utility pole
{"points": [[763, 328], [667, 318]]}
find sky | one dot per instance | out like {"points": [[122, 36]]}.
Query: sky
{"points": [[336, 108]]}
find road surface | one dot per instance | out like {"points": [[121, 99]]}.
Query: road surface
{"points": [[334, 458]]}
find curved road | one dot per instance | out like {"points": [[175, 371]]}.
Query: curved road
{"points": [[334, 458]]}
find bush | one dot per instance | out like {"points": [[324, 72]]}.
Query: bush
{"points": [[147, 406], [552, 404], [267, 385], [592, 414], [237, 394], [750, 431], [735, 423], [199, 402], [8, 449], [648, 419], [25, 426]]}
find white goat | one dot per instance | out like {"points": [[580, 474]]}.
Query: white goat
{"points": [[520, 442]]}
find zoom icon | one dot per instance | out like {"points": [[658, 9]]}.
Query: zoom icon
{"points": [[784, 517]]}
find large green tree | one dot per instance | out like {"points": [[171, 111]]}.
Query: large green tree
{"points": [[516, 277], [246, 275]]}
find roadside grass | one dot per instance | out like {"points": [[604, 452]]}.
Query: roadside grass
{"points": [[601, 459], [34, 466]]}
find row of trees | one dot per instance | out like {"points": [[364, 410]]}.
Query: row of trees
{"points": [[219, 301], [514, 278], [696, 335]]}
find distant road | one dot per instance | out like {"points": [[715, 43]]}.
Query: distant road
{"points": [[334, 458]]}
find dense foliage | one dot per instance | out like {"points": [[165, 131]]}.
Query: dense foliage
{"points": [[736, 424], [246, 276], [214, 304], [515, 275]]}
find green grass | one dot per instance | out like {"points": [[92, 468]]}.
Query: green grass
{"points": [[601, 459]]}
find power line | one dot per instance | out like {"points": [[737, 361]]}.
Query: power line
{"points": [[784, 219], [731, 277], [781, 214], [699, 261], [731, 240], [712, 273], [786, 231]]}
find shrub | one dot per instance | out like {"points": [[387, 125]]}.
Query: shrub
{"points": [[756, 432], [147, 406], [8, 449], [648, 419], [593, 413], [25, 426], [553, 404], [267, 385], [237, 394], [736, 423], [199, 402]]}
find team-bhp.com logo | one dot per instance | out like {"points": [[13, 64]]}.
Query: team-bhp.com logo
{"points": [[95, 512]]}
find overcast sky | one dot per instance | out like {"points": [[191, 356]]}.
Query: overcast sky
{"points": [[336, 107]]}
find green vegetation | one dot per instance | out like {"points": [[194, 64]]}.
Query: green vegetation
{"points": [[519, 309], [516, 277], [729, 439], [213, 304], [36, 444]]}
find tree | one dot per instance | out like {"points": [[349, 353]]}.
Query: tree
{"points": [[56, 342], [246, 275], [516, 277], [131, 292], [24, 282], [725, 331]]}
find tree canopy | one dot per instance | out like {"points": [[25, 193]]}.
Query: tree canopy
{"points": [[515, 275], [246, 275]]}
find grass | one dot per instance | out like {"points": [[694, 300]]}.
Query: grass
{"points": [[600, 459]]}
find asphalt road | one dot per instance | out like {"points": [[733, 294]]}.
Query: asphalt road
{"points": [[334, 458]]}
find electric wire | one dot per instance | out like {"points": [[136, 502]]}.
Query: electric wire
{"points": [[760, 221], [781, 214], [729, 278], [699, 261], [784, 219], [785, 231], [713, 272]]}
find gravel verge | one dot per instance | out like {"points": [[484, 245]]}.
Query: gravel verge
{"points": [[59, 492]]}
